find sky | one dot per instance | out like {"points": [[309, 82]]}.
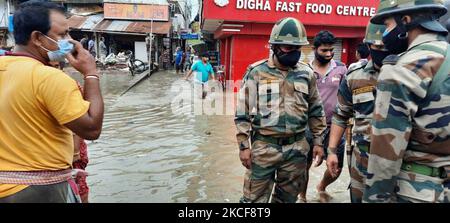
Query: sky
{"points": [[195, 7]]}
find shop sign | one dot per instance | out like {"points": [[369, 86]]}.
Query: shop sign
{"points": [[312, 12], [136, 12], [189, 36]]}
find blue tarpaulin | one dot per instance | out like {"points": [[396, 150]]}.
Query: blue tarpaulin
{"points": [[10, 24]]}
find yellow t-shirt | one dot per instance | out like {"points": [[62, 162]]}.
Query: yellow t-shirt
{"points": [[35, 103]]}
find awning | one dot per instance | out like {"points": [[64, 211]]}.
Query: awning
{"points": [[85, 10], [125, 26], [86, 23], [76, 21]]}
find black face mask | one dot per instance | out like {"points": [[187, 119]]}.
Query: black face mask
{"points": [[378, 56], [288, 59], [322, 60], [396, 41]]}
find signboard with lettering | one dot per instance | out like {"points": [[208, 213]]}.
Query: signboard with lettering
{"points": [[136, 12], [189, 36], [350, 13]]}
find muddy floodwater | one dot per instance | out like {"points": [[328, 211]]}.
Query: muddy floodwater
{"points": [[149, 153]]}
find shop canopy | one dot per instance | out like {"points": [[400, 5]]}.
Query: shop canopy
{"points": [[96, 23], [132, 27], [84, 23]]}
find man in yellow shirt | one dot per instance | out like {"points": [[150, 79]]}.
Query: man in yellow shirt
{"points": [[41, 107]]}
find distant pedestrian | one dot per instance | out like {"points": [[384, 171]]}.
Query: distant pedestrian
{"points": [[103, 50], [179, 60], [85, 41], [362, 53], [91, 48], [204, 72], [187, 61]]}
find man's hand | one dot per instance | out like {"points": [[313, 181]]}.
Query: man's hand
{"points": [[246, 158], [318, 155], [82, 60], [332, 164]]}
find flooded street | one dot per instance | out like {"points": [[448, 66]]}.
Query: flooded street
{"points": [[147, 153]]}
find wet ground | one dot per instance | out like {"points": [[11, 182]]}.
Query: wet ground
{"points": [[148, 153]]}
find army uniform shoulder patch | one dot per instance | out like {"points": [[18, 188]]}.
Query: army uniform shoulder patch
{"points": [[302, 64], [257, 63], [391, 59], [253, 66], [305, 64]]}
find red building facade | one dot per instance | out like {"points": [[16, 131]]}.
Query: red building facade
{"points": [[243, 27]]}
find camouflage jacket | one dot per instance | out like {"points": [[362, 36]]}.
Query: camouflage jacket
{"points": [[356, 98], [279, 103], [408, 126]]}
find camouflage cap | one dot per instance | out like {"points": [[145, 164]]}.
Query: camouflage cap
{"points": [[288, 31], [374, 34], [388, 8]]}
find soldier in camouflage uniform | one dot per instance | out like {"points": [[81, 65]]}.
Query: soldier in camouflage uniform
{"points": [[410, 150], [276, 102], [356, 97]]}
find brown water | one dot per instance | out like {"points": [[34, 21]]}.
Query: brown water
{"points": [[147, 153]]}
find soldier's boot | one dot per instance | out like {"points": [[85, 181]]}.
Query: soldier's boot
{"points": [[358, 173]]}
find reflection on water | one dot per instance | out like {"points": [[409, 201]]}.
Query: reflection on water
{"points": [[146, 153]]}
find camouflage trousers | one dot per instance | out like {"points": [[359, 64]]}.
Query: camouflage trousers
{"points": [[282, 167], [418, 188], [357, 163]]}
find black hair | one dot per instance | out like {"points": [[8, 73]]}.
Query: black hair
{"points": [[33, 16], [363, 50], [324, 37], [204, 54]]}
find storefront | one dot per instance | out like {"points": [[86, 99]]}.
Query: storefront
{"points": [[125, 27], [242, 27], [131, 35]]}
